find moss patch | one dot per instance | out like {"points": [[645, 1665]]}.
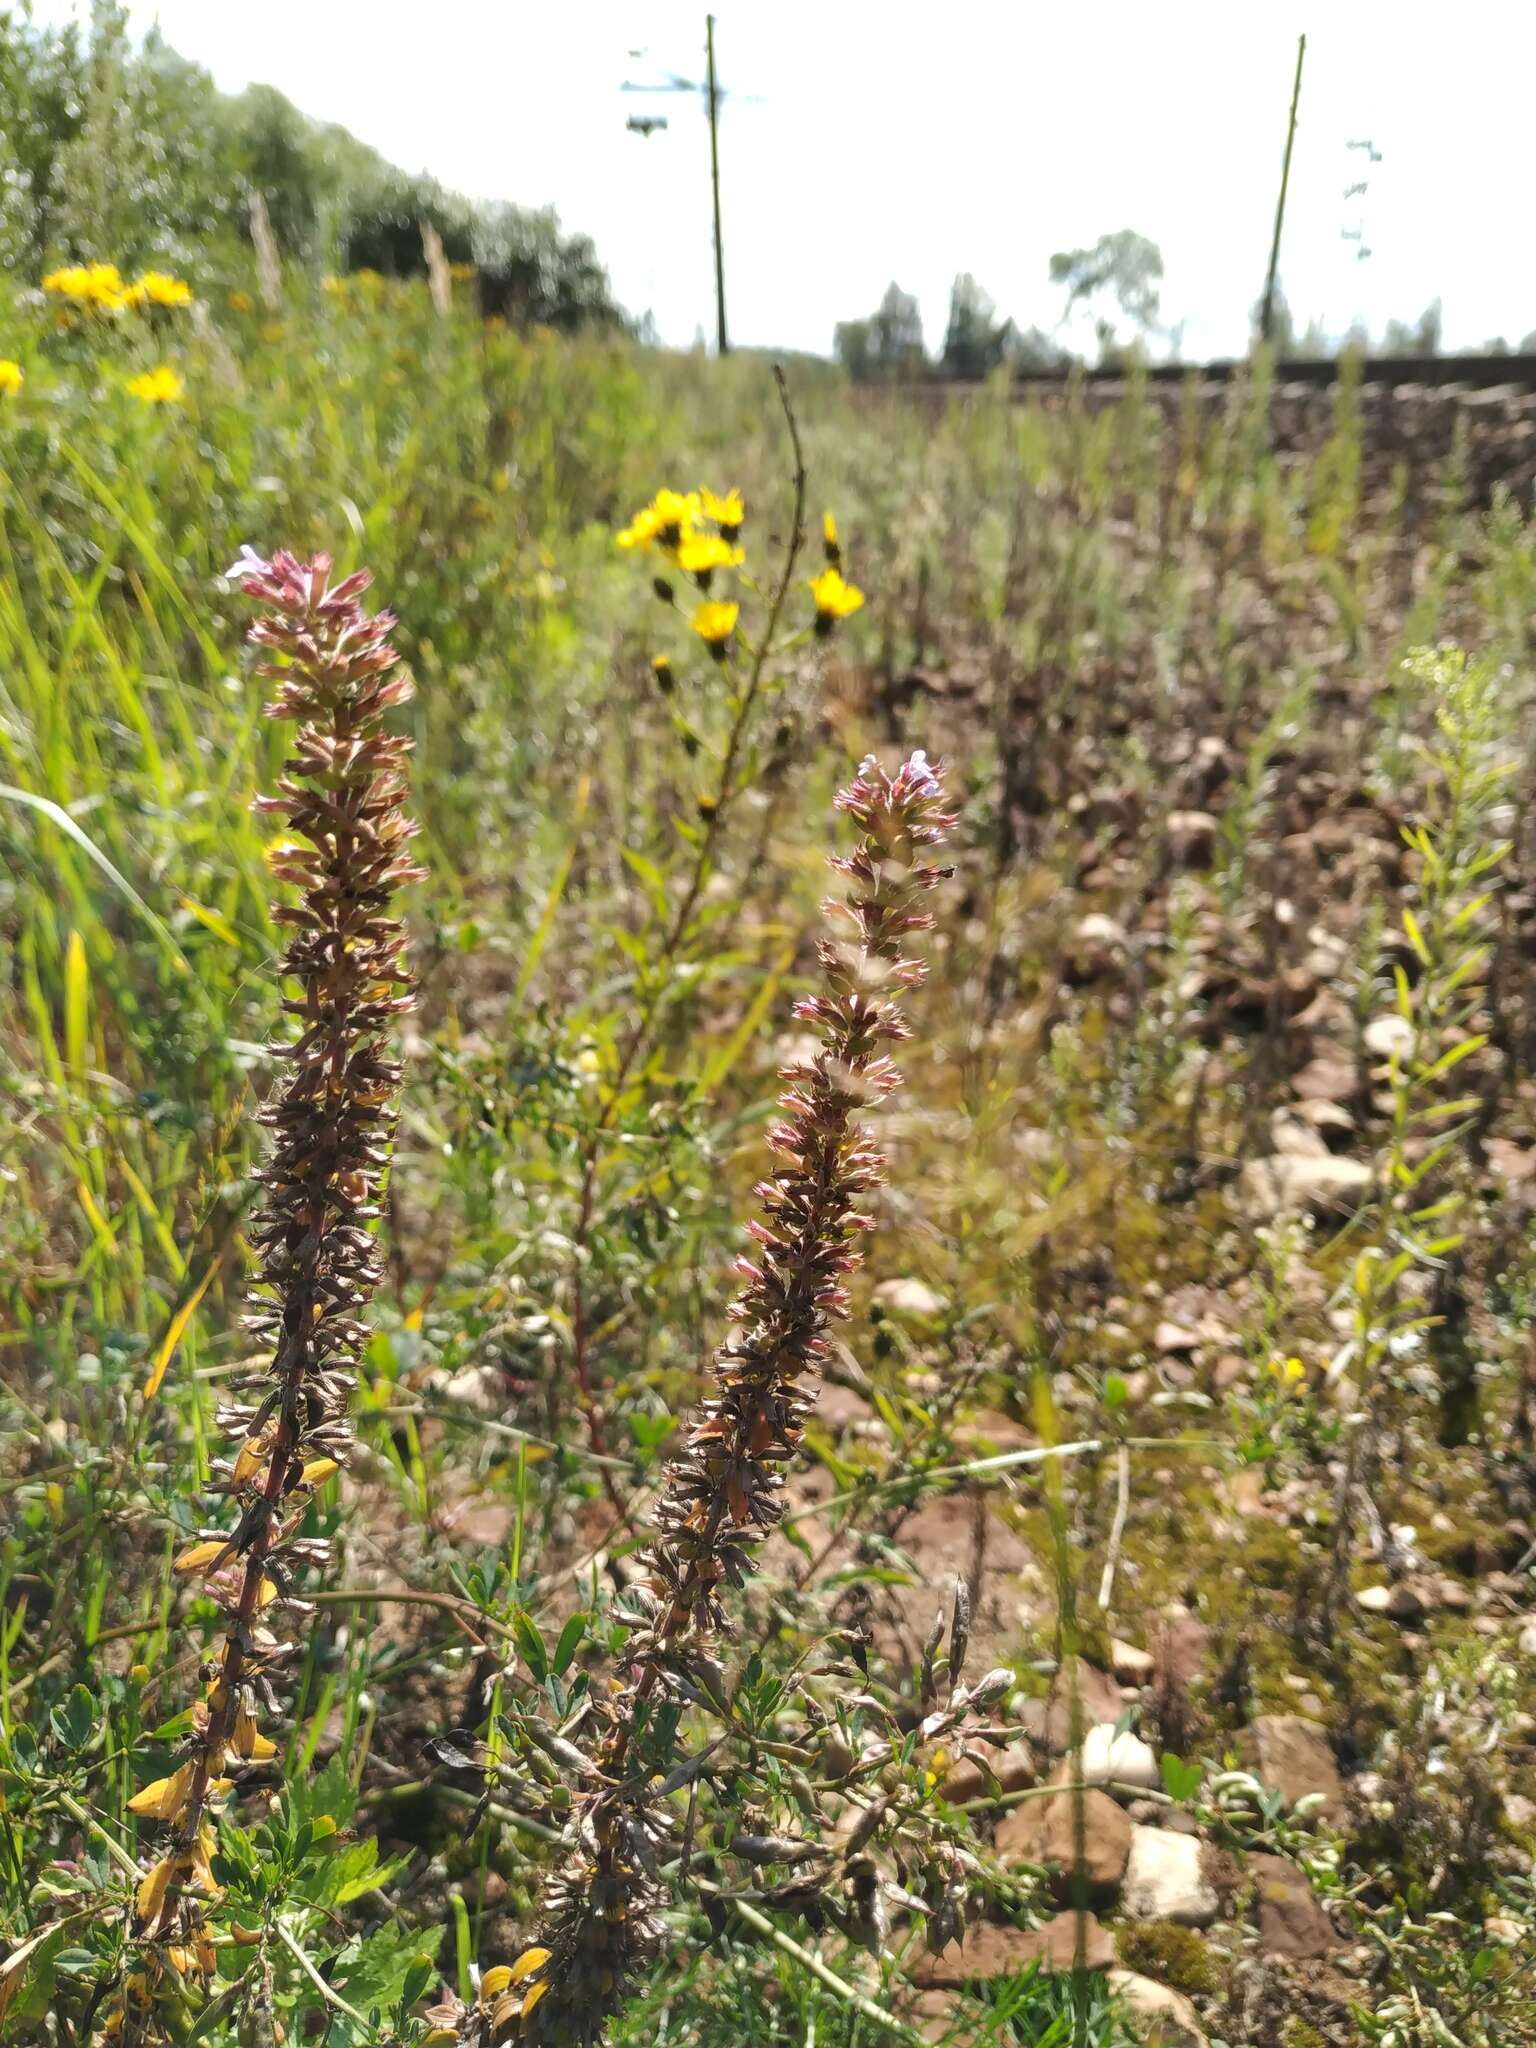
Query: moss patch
{"points": [[1175, 1955]]}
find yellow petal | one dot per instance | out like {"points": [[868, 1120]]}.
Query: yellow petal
{"points": [[495, 1981], [533, 1994], [318, 1470], [251, 1456], [150, 1896], [530, 1960], [198, 1556], [165, 1798]]}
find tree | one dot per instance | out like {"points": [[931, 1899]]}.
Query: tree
{"points": [[1419, 337], [1126, 267], [896, 335], [888, 344], [975, 340]]}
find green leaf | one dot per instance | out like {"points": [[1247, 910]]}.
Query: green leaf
{"points": [[570, 1640], [1181, 1780], [531, 1643]]}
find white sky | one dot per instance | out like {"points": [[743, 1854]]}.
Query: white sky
{"points": [[893, 140]]}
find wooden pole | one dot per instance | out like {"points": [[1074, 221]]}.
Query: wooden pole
{"points": [[1267, 310], [721, 342]]}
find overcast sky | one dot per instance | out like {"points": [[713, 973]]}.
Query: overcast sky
{"points": [[889, 140]]}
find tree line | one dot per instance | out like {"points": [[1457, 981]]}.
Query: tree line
{"points": [[130, 154]]}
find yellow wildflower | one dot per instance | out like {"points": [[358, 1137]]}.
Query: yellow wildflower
{"points": [[98, 285], [11, 379], [834, 598], [714, 624], [1290, 1372], [165, 1798], [241, 302], [701, 554], [155, 288], [665, 523], [157, 387], [727, 512], [829, 541]]}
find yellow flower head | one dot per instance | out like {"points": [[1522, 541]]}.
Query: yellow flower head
{"points": [[98, 286], [11, 379], [664, 524], [834, 598], [701, 554], [157, 387], [241, 302], [714, 624], [829, 542], [1290, 1372], [728, 512], [155, 288]]}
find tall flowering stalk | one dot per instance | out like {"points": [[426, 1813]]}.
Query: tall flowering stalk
{"points": [[341, 794], [726, 1491]]}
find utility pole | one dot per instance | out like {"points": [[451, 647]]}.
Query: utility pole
{"points": [[721, 343], [714, 95], [1267, 309]]}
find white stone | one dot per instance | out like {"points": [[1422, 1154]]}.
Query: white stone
{"points": [[1119, 1760], [1165, 1879], [1130, 1665], [1160, 2016], [909, 1298], [1286, 1184], [1387, 1035]]}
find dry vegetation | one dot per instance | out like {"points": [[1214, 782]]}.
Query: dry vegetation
{"points": [[1187, 1378]]}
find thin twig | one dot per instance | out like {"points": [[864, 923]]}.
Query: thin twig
{"points": [[849, 1993], [1117, 1529], [1004, 1461], [640, 1034], [331, 1997]]}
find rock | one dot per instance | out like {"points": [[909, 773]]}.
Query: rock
{"points": [[1295, 1136], [1045, 1831], [1097, 945], [988, 1951], [1181, 1647], [1502, 1928], [1119, 1760], [1325, 1116], [909, 1298], [483, 1387], [1130, 1665], [1160, 2016], [1060, 1943], [1403, 1602], [1192, 835], [1013, 1767], [1165, 1879], [485, 1524], [1098, 1698], [1287, 1184], [1291, 1922], [1291, 1755], [1387, 1035], [1325, 1080], [1173, 1337], [930, 2014]]}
